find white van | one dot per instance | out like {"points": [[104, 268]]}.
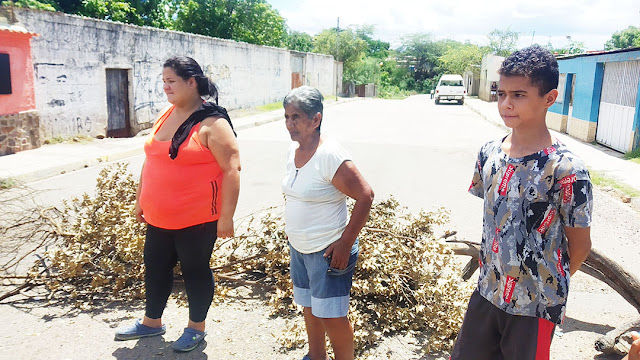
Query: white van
{"points": [[450, 87]]}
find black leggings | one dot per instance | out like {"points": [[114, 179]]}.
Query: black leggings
{"points": [[192, 246]]}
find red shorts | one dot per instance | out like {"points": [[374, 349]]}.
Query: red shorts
{"points": [[490, 333]]}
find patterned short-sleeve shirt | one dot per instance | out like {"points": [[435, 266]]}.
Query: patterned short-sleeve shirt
{"points": [[524, 259]]}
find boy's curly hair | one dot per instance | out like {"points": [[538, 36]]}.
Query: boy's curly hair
{"points": [[536, 63]]}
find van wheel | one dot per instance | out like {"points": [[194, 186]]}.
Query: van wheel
{"points": [[437, 101], [461, 102]]}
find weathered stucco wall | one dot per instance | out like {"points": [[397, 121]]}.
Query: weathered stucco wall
{"points": [[72, 54], [489, 73]]}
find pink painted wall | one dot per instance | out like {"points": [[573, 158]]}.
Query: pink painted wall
{"points": [[22, 97]]}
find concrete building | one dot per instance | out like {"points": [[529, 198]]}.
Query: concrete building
{"points": [[101, 78], [598, 98], [488, 74], [472, 80], [19, 119]]}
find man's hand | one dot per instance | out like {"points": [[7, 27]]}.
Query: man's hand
{"points": [[634, 353], [339, 251]]}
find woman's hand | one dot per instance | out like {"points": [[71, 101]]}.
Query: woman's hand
{"points": [[339, 251], [138, 213], [225, 228]]}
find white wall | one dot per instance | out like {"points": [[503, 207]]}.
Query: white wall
{"points": [[488, 73], [71, 54]]}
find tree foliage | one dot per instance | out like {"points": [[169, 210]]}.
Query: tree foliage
{"points": [[110, 10], [299, 41], [375, 48], [628, 37], [252, 21], [503, 42], [350, 49], [31, 4], [458, 59]]}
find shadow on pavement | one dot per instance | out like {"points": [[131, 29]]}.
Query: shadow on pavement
{"points": [[571, 324], [158, 348]]}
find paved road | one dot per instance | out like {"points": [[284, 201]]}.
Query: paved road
{"points": [[418, 152]]}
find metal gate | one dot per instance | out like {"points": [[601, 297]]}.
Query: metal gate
{"points": [[118, 103], [297, 71], [617, 104]]}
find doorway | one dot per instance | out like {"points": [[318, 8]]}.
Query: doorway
{"points": [[118, 124]]}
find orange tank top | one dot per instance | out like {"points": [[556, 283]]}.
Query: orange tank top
{"points": [[183, 192]]}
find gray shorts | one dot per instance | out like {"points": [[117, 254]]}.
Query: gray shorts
{"points": [[318, 286]]}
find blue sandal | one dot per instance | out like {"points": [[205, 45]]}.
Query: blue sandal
{"points": [[138, 330], [189, 340]]}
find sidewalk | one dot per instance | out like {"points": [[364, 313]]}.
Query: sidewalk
{"points": [[51, 160], [597, 157]]}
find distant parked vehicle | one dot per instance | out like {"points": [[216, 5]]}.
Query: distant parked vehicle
{"points": [[450, 87]]}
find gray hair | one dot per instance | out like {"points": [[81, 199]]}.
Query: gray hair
{"points": [[307, 99]]}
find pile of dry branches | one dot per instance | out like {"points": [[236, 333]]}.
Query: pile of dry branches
{"points": [[406, 279]]}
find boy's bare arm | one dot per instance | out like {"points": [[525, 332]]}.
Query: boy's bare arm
{"points": [[579, 246]]}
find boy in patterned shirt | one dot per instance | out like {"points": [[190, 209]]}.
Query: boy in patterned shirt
{"points": [[536, 227]]}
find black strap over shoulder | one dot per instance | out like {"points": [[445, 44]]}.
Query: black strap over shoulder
{"points": [[207, 109]]}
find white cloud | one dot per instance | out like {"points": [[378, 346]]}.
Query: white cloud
{"points": [[588, 21]]}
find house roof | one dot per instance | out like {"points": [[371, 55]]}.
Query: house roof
{"points": [[600, 52], [15, 29]]}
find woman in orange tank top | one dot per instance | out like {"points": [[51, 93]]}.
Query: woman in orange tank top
{"points": [[187, 195]]}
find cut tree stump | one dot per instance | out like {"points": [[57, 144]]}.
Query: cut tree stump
{"points": [[596, 265]]}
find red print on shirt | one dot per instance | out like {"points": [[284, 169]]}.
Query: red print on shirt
{"points": [[547, 221], [559, 264], [509, 286], [505, 179], [494, 246], [567, 187]]}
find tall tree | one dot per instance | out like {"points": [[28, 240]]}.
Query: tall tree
{"points": [[32, 4], [628, 37], [253, 21], [351, 48], [421, 53], [299, 41], [503, 42], [458, 59], [375, 48], [114, 10]]}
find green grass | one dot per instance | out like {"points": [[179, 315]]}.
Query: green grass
{"points": [[8, 183], [633, 156], [81, 139], [601, 180], [270, 107]]}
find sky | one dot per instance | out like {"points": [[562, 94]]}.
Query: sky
{"points": [[539, 21]]}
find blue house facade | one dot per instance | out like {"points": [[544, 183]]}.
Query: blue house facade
{"points": [[598, 98]]}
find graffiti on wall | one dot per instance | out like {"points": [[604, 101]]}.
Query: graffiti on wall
{"points": [[62, 94], [220, 75], [148, 95], [47, 73]]}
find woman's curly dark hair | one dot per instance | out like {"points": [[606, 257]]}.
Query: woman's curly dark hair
{"points": [[536, 63]]}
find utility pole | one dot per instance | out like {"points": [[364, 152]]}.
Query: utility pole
{"points": [[337, 50]]}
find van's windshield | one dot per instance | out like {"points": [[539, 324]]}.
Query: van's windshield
{"points": [[450, 82]]}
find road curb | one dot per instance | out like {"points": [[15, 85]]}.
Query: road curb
{"points": [[484, 116]]}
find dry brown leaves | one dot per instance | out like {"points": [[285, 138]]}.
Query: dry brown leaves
{"points": [[406, 279]]}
